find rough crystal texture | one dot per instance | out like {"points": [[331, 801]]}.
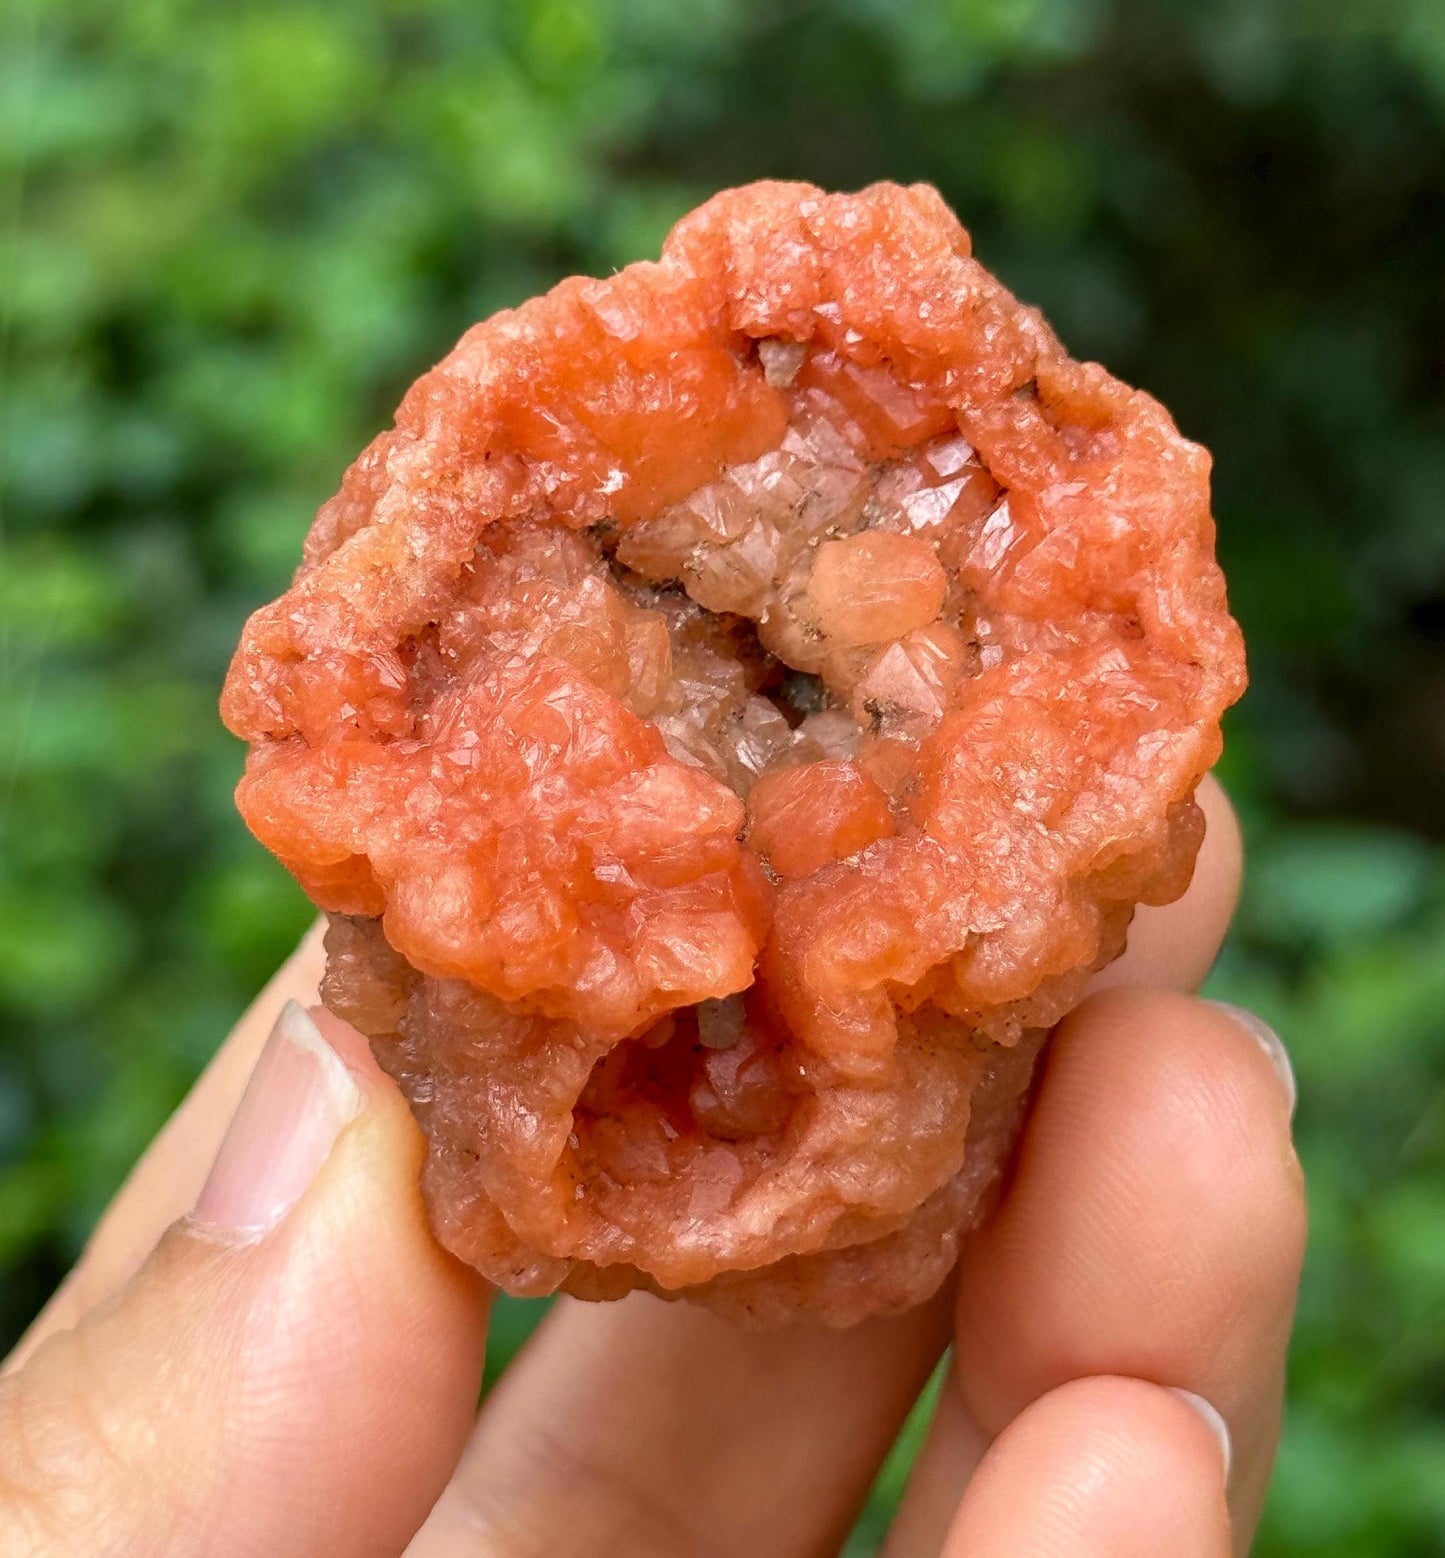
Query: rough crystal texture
{"points": [[727, 718]]}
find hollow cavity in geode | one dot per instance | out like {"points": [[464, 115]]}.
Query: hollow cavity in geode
{"points": [[727, 718]]}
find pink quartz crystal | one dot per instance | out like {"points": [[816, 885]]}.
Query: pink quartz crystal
{"points": [[727, 719]]}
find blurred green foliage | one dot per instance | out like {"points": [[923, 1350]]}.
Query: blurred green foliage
{"points": [[231, 235]]}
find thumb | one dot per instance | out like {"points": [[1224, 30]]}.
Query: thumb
{"points": [[295, 1368]]}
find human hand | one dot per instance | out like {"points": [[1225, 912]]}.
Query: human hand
{"points": [[278, 1359]]}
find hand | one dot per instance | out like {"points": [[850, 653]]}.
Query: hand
{"points": [[278, 1359]]}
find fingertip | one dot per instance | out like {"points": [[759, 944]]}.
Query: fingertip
{"points": [[1224, 861], [380, 1164], [1099, 1465], [300, 1098], [1221, 819], [351, 1045], [1143, 1054], [1181, 1112], [300, 974], [1155, 1225], [1173, 946], [403, 1139], [1270, 1043], [1213, 1420]]}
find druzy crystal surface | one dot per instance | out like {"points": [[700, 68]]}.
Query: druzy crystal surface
{"points": [[727, 719]]}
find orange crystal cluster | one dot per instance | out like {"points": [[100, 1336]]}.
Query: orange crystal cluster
{"points": [[727, 719]]}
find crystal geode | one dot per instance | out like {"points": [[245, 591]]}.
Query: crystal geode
{"points": [[726, 720]]}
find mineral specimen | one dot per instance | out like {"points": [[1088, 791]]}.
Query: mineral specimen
{"points": [[727, 719]]}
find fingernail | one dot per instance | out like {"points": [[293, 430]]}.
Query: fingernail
{"points": [[1217, 1426], [298, 1101], [1269, 1041]]}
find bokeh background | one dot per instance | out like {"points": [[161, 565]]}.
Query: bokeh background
{"points": [[232, 235]]}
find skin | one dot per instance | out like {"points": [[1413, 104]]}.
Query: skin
{"points": [[312, 1389]]}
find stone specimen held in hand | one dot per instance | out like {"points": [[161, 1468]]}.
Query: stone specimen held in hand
{"points": [[727, 719]]}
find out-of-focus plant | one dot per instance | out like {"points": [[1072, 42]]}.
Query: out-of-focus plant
{"points": [[232, 235]]}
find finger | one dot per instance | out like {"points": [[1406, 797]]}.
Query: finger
{"points": [[1100, 1468], [1154, 1227], [947, 1458], [1171, 947], [169, 1176], [1174, 946], [643, 1428], [293, 1369]]}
